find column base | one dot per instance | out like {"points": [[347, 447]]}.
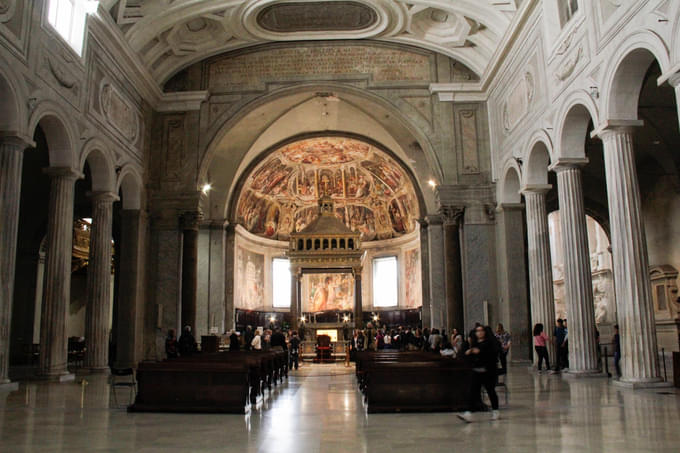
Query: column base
{"points": [[60, 377], [9, 386], [105, 371], [568, 374], [646, 384]]}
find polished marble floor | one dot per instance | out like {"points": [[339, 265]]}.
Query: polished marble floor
{"points": [[320, 410]]}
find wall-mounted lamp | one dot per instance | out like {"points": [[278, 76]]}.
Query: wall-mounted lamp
{"points": [[432, 183], [207, 187]]}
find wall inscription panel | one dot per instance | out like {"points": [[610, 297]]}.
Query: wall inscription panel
{"points": [[254, 69]]}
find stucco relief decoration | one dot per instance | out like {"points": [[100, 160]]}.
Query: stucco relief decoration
{"points": [[60, 74], [316, 16], [373, 194], [517, 103], [118, 112], [568, 66], [7, 10]]}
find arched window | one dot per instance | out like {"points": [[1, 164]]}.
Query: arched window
{"points": [[309, 244], [334, 244], [342, 243], [325, 244], [317, 244], [385, 281], [301, 244], [350, 245], [67, 17]]}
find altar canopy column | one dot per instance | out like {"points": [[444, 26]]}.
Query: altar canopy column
{"points": [[577, 274], [540, 263], [57, 291], [190, 222], [11, 158], [437, 302], [97, 317], [634, 308], [358, 308], [128, 292], [455, 307]]}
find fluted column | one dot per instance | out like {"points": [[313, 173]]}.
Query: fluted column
{"points": [[577, 274], [11, 158], [57, 291], [97, 315], [190, 223], [674, 81], [358, 304], [540, 263], [640, 361]]}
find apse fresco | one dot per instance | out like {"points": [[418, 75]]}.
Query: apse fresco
{"points": [[372, 193], [413, 285], [250, 275], [330, 291]]}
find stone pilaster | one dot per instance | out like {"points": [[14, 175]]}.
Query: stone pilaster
{"points": [[11, 158], [129, 289], [640, 362], [358, 304], [577, 273], [453, 268], [97, 315], [57, 291], [435, 242], [540, 264], [190, 223], [674, 81], [294, 313]]}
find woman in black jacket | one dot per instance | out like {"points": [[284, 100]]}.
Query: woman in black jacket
{"points": [[484, 355]]}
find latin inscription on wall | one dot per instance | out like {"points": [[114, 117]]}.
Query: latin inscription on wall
{"points": [[380, 63]]}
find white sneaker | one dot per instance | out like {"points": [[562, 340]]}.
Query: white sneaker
{"points": [[495, 415], [466, 416]]}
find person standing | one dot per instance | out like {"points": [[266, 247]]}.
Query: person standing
{"points": [[187, 342], [234, 345], [484, 356], [248, 338], [560, 344], [617, 351], [171, 345], [294, 351], [540, 345], [256, 343], [505, 339]]}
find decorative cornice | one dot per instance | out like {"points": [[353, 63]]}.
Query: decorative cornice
{"points": [[16, 138], [63, 172], [191, 220], [182, 101], [564, 163], [615, 126], [536, 188], [97, 196]]}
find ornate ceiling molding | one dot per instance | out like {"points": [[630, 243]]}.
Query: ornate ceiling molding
{"points": [[169, 35]]}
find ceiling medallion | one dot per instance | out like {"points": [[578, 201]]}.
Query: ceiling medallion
{"points": [[316, 16]]}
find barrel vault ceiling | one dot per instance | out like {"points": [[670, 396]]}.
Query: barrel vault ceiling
{"points": [[169, 35]]}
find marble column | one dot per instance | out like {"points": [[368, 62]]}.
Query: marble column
{"points": [[190, 223], [540, 264], [129, 288], [229, 321], [11, 159], [358, 307], [57, 291], [98, 311], [437, 302], [674, 81], [425, 272], [294, 313], [577, 274], [635, 313], [455, 307]]}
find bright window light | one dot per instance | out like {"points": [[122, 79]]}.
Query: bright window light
{"points": [[385, 289], [281, 274], [68, 19]]}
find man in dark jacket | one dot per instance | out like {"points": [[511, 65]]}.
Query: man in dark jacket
{"points": [[278, 339]]}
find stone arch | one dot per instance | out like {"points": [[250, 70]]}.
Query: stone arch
{"points": [[510, 184], [675, 40], [631, 61], [578, 111], [422, 161], [538, 158], [60, 133], [96, 155], [130, 184], [12, 111]]}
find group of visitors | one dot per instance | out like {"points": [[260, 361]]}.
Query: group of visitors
{"points": [[185, 346], [561, 342]]}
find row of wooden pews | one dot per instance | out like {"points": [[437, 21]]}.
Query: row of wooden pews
{"points": [[214, 382], [394, 381]]}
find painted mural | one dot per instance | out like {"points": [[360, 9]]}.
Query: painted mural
{"points": [[373, 194], [332, 291], [250, 273], [413, 284]]}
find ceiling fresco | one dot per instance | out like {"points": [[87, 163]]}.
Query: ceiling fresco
{"points": [[373, 194]]}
